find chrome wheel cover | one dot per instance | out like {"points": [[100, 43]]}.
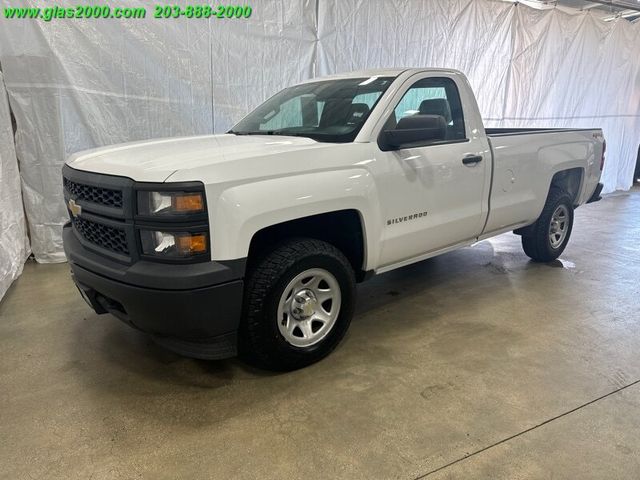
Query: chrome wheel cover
{"points": [[559, 226], [309, 307]]}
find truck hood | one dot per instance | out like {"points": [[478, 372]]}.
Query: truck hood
{"points": [[157, 160]]}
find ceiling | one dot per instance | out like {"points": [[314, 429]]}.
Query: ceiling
{"points": [[629, 9]]}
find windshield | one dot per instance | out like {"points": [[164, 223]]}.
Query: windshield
{"points": [[327, 111]]}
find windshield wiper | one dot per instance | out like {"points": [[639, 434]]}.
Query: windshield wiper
{"points": [[288, 134], [233, 132], [264, 132], [270, 132]]}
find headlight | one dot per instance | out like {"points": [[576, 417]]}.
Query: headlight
{"points": [[170, 203], [173, 244]]}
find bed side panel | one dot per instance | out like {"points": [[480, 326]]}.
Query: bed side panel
{"points": [[524, 166]]}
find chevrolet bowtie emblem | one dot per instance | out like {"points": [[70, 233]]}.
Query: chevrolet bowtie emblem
{"points": [[74, 208]]}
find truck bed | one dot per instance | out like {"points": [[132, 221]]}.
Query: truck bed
{"points": [[525, 161]]}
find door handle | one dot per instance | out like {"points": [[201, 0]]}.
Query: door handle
{"points": [[472, 159]]}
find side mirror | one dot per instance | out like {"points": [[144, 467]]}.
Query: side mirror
{"points": [[414, 131]]}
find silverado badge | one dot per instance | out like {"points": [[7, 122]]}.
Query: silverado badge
{"points": [[74, 208], [413, 216]]}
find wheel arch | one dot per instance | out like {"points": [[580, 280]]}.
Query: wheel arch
{"points": [[344, 229], [569, 180]]}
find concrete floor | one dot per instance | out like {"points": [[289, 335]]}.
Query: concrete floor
{"points": [[476, 364]]}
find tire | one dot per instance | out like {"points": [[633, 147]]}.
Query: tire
{"points": [[277, 331], [539, 244]]}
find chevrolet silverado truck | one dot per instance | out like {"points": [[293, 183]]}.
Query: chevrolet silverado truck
{"points": [[252, 242]]}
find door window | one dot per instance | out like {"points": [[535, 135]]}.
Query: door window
{"points": [[435, 97]]}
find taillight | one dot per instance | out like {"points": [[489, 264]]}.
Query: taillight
{"points": [[604, 149]]}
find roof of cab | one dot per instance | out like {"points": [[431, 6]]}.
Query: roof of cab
{"points": [[378, 72]]}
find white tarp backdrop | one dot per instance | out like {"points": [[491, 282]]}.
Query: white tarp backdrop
{"points": [[14, 245], [76, 84]]}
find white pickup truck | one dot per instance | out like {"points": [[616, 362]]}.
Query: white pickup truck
{"points": [[252, 242]]}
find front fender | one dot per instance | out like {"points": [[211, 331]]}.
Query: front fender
{"points": [[242, 210]]}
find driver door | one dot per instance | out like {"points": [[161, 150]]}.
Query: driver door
{"points": [[432, 189]]}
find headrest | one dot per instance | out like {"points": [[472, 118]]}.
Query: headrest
{"points": [[358, 112], [436, 106]]}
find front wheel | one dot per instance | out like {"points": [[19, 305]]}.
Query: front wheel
{"points": [[298, 305], [550, 234]]}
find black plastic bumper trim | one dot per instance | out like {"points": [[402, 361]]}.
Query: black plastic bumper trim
{"points": [[596, 194], [196, 315], [192, 307]]}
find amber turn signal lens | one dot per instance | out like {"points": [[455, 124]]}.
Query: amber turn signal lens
{"points": [[188, 202], [192, 244]]}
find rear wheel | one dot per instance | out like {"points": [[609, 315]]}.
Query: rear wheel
{"points": [[298, 305], [550, 234]]}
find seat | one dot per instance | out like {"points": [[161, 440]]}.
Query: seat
{"points": [[340, 111], [335, 112], [436, 106]]}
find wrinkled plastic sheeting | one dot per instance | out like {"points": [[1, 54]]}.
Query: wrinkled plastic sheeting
{"points": [[528, 68], [78, 84], [14, 245], [579, 71]]}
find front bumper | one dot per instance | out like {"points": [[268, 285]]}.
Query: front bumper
{"points": [[193, 309]]}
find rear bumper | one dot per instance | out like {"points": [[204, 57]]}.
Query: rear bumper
{"points": [[596, 194], [193, 309]]}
